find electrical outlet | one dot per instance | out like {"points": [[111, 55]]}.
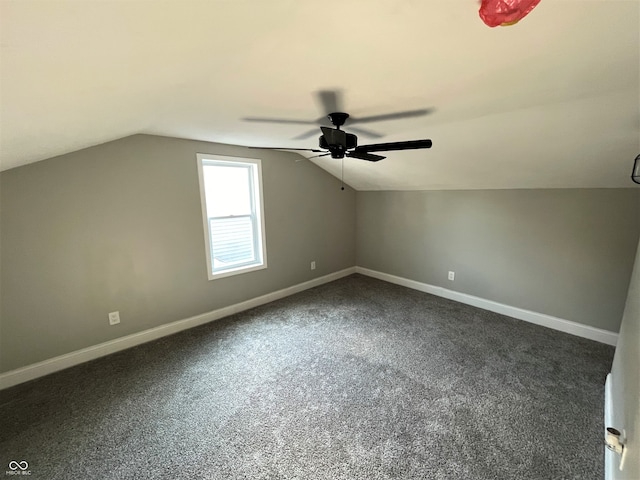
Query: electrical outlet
{"points": [[313, 265], [114, 318], [452, 276]]}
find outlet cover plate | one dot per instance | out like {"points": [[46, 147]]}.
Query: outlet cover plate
{"points": [[114, 318]]}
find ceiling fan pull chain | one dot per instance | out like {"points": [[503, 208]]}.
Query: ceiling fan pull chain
{"points": [[342, 187]]}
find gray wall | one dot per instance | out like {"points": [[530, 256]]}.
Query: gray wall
{"points": [[566, 253], [626, 380], [119, 227]]}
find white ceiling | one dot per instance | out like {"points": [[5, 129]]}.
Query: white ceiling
{"points": [[553, 101]]}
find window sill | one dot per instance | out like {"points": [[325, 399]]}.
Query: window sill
{"points": [[236, 271]]}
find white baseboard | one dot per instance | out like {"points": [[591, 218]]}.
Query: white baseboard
{"points": [[40, 369], [567, 326], [36, 370]]}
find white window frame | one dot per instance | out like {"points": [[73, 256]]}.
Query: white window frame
{"points": [[257, 213]]}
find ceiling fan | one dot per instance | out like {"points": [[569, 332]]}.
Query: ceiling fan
{"points": [[338, 143]]}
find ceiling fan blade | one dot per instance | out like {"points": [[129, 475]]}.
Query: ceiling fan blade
{"points": [[287, 148], [390, 116], [385, 147], [323, 155], [330, 100], [367, 133], [306, 135], [279, 120], [365, 156]]}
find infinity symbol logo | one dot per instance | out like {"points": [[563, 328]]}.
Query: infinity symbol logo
{"points": [[23, 465]]}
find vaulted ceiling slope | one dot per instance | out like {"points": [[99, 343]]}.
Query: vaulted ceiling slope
{"points": [[552, 101]]}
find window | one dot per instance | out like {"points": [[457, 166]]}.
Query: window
{"points": [[231, 194]]}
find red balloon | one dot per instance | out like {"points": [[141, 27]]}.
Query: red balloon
{"points": [[505, 12]]}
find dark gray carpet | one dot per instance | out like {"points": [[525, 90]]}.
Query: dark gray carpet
{"points": [[356, 379]]}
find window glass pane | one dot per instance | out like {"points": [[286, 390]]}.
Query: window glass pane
{"points": [[231, 241], [227, 190]]}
